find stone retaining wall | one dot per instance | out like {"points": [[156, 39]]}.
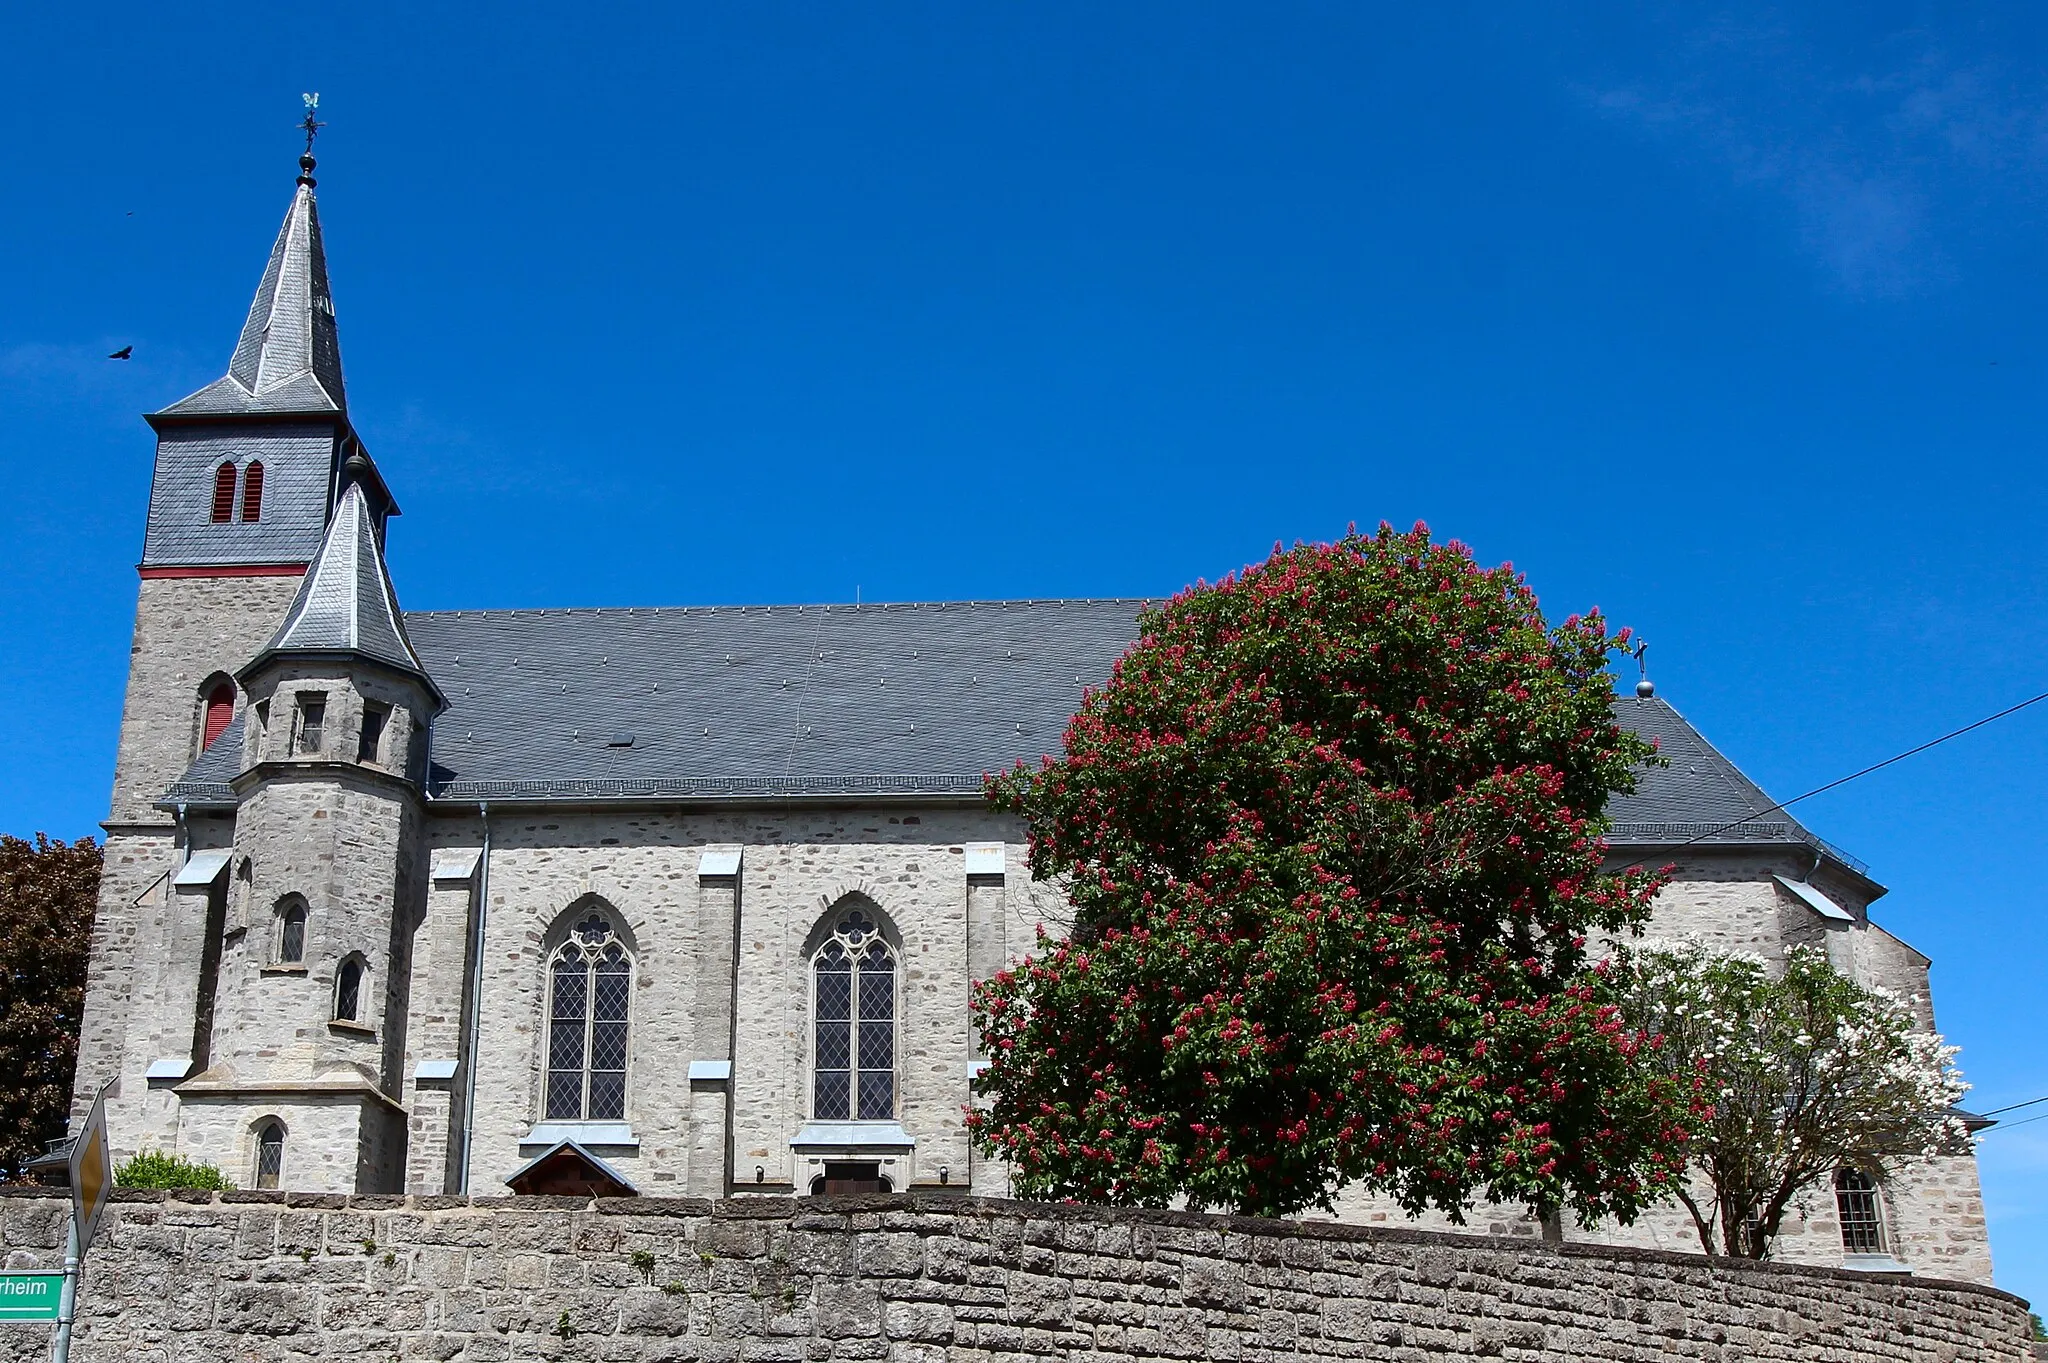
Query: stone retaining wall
{"points": [[925, 1278]]}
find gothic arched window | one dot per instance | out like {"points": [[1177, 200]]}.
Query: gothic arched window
{"points": [[223, 494], [269, 1155], [291, 933], [220, 712], [348, 991], [1856, 1206], [589, 986], [252, 491], [854, 1063]]}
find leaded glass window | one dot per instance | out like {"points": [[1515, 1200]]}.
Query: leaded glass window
{"points": [[1856, 1204], [291, 934], [269, 1155], [854, 1063], [589, 984], [348, 992]]}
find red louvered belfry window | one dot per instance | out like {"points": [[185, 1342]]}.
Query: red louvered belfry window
{"points": [[252, 491], [220, 709], [223, 494]]}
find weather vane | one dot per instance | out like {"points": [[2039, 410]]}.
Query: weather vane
{"points": [[312, 127]]}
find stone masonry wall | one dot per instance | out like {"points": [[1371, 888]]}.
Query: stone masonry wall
{"points": [[925, 1278]]}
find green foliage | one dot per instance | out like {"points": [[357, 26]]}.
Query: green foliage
{"points": [[47, 893], [643, 1260], [1806, 1071], [1332, 834], [154, 1169], [2034, 1319]]}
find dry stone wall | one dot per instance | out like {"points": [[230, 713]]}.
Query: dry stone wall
{"points": [[926, 1278]]}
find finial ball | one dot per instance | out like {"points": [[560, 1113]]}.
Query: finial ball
{"points": [[1645, 689], [355, 469]]}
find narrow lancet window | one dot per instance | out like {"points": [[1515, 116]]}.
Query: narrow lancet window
{"points": [[291, 934], [252, 491], [589, 993], [223, 494], [348, 992]]}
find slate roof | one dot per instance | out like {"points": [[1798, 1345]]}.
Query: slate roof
{"points": [[735, 701], [288, 359], [345, 605], [788, 701]]}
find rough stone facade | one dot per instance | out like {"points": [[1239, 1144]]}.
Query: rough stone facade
{"points": [[921, 1279]]}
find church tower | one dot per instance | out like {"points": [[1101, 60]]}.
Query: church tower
{"points": [[301, 1064], [248, 472]]}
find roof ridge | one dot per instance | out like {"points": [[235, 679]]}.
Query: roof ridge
{"points": [[765, 607]]}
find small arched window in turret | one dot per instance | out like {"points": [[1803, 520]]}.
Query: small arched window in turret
{"points": [[348, 991], [269, 1154], [220, 710], [252, 491], [223, 494], [589, 988], [291, 932]]}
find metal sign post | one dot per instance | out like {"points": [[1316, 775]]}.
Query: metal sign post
{"points": [[92, 1181]]}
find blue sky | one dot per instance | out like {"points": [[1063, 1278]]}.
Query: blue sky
{"points": [[1729, 325]]}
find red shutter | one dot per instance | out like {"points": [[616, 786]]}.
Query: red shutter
{"points": [[252, 492], [224, 494], [220, 708]]}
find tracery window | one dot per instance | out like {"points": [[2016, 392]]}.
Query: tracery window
{"points": [[854, 1062], [589, 988], [1856, 1206], [269, 1155]]}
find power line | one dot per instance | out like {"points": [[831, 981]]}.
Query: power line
{"points": [[1856, 775], [2013, 1107], [2026, 1121]]}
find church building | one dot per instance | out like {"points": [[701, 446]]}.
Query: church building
{"points": [[680, 901]]}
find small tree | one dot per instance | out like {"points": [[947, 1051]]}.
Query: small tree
{"points": [[1807, 1072], [47, 893], [1332, 837]]}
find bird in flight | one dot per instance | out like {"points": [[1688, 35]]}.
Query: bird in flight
{"points": [[125, 352]]}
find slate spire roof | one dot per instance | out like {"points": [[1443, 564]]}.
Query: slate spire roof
{"points": [[345, 606], [288, 359]]}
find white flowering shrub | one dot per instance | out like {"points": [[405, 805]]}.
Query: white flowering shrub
{"points": [[1801, 1075]]}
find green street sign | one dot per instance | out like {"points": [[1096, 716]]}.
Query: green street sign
{"points": [[31, 1296]]}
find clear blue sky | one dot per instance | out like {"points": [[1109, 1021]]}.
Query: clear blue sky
{"points": [[1732, 327]]}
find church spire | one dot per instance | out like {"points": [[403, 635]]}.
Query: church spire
{"points": [[288, 359]]}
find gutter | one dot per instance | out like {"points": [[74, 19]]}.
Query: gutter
{"points": [[474, 1021]]}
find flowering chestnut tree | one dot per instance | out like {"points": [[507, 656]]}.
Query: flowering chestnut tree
{"points": [[1807, 1072], [1332, 835]]}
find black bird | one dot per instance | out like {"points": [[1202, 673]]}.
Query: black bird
{"points": [[125, 352]]}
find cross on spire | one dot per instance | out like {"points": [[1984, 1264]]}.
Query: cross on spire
{"points": [[312, 127]]}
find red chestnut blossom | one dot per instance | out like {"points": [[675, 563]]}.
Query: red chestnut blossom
{"points": [[1332, 832]]}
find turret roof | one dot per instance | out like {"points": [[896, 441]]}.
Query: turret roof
{"points": [[345, 605]]}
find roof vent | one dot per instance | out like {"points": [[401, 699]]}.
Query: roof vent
{"points": [[620, 741]]}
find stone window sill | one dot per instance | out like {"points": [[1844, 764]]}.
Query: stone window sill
{"points": [[277, 969], [350, 1028], [611, 1135]]}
